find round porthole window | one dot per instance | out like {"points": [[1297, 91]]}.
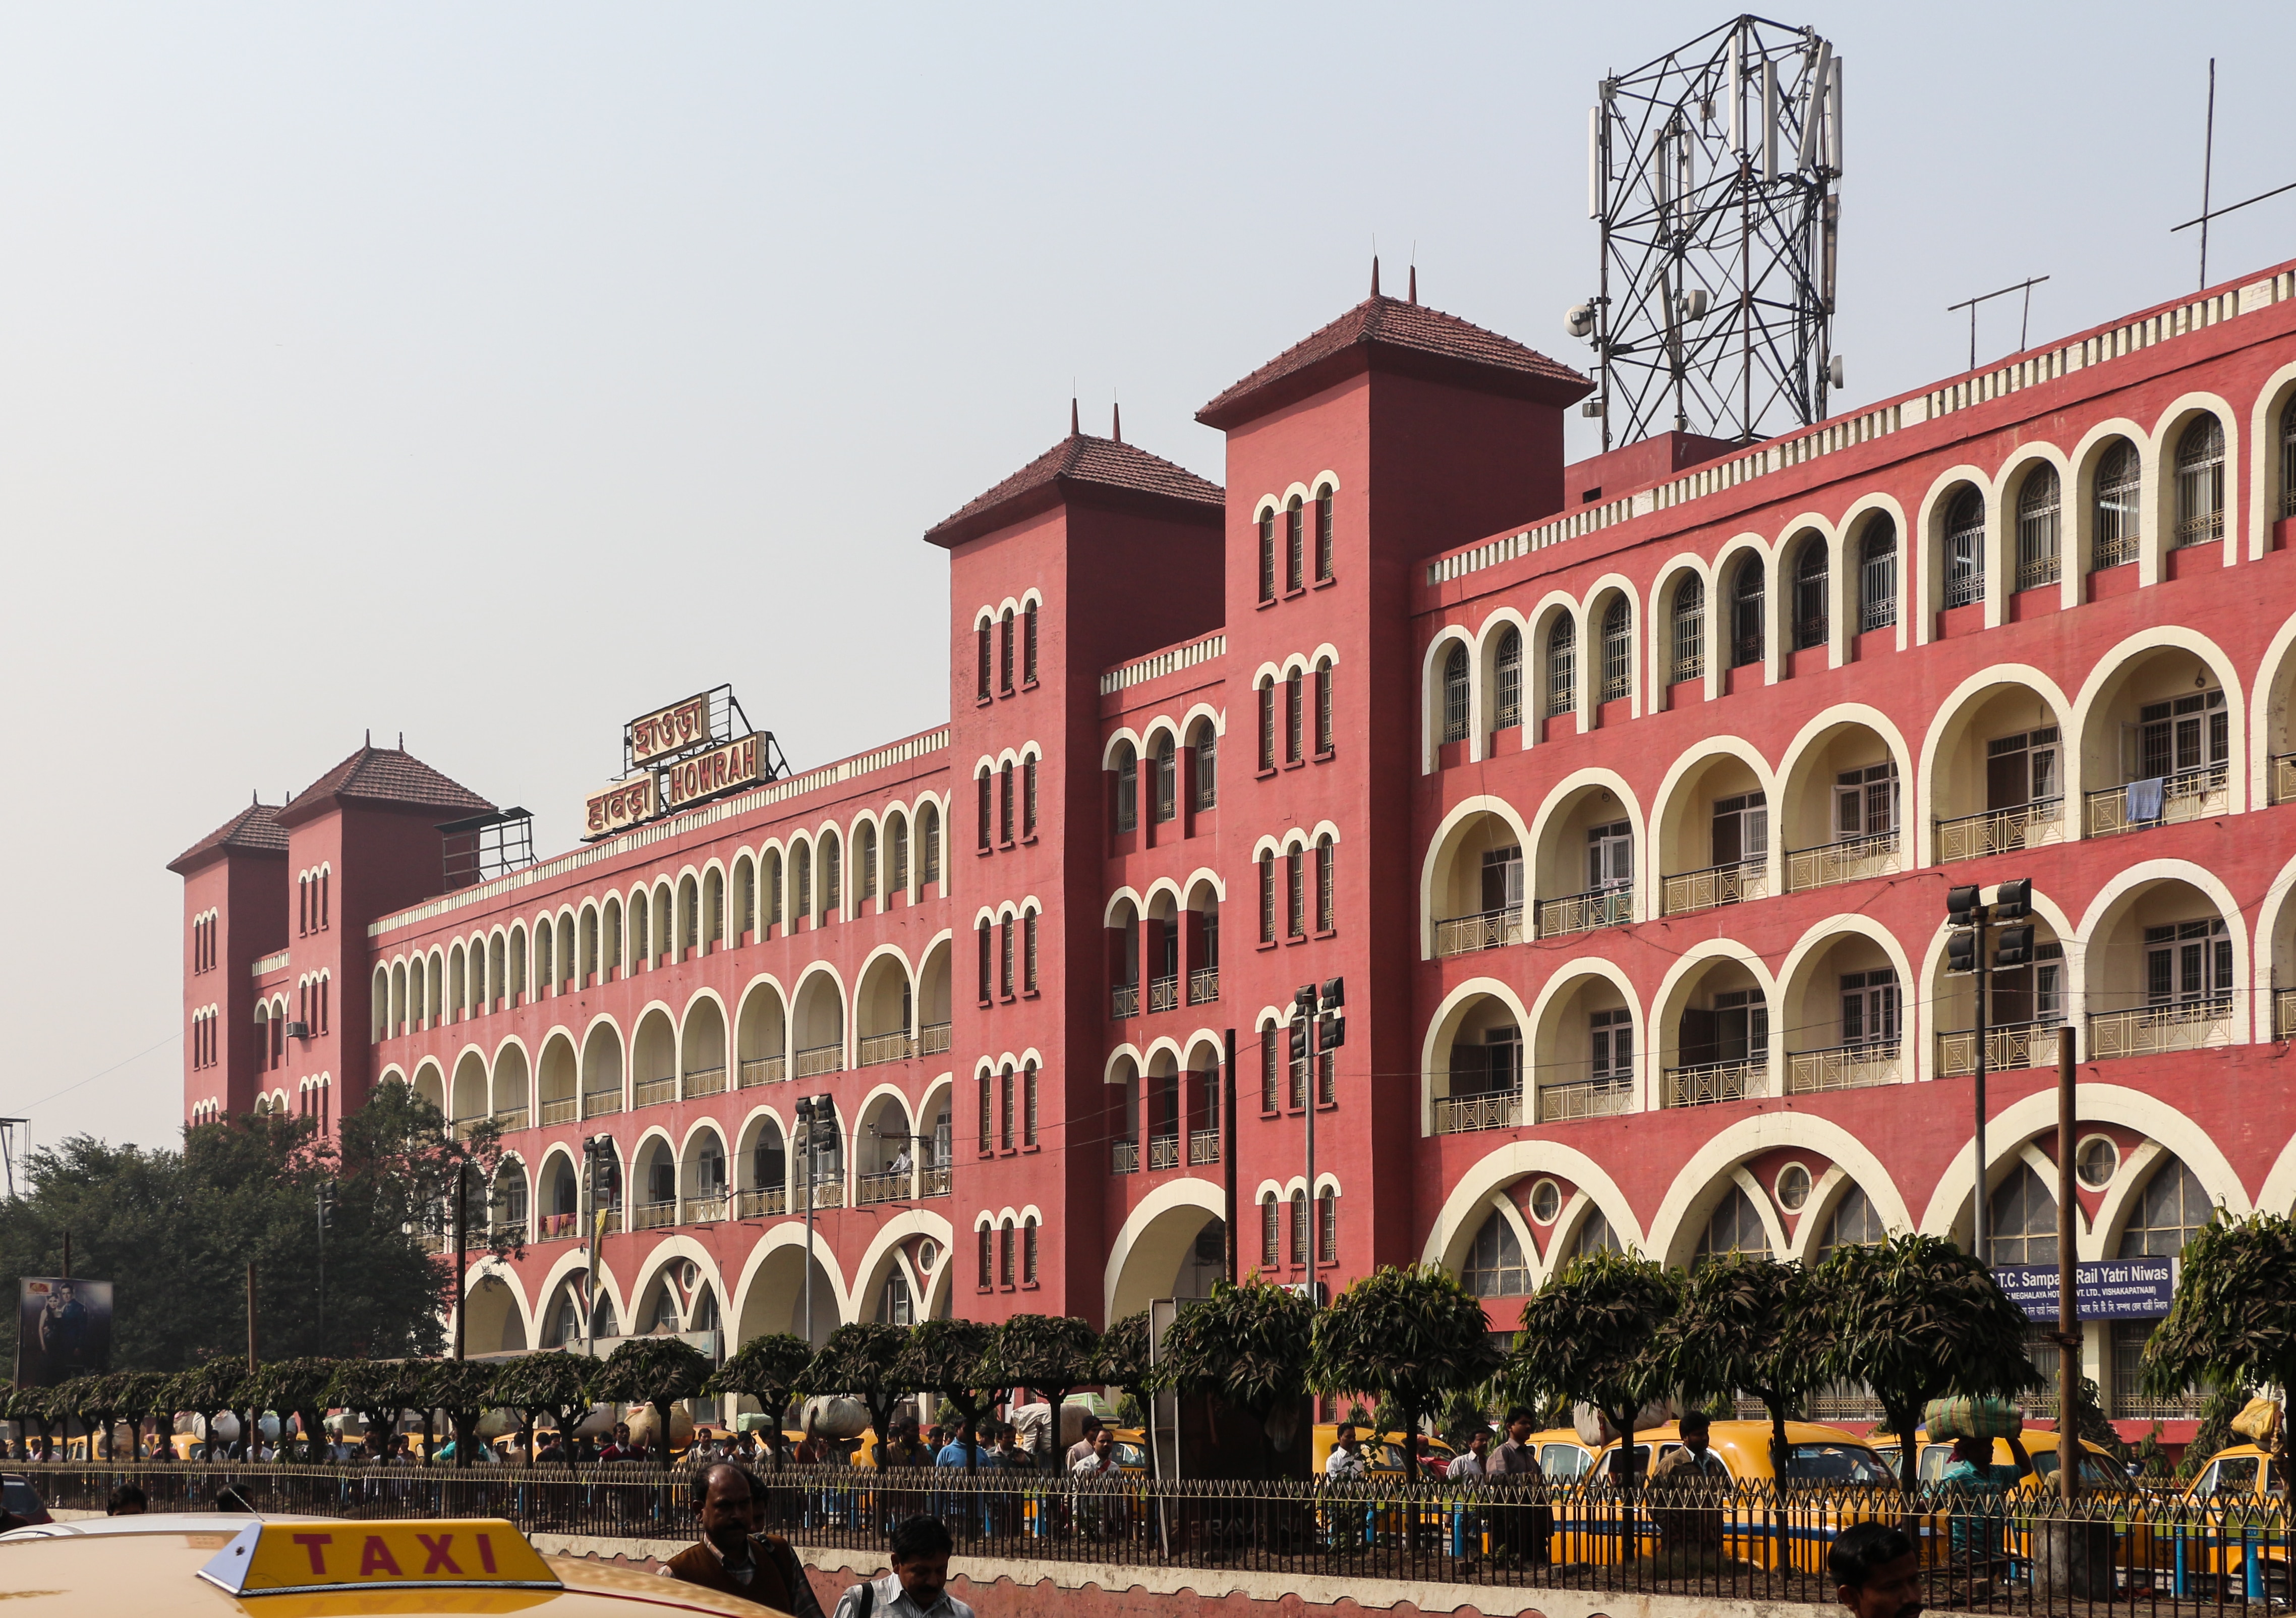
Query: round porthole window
{"points": [[1545, 1202], [1793, 1188], [688, 1273], [927, 1255], [2097, 1161]]}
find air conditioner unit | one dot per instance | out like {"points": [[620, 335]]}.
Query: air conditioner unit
{"points": [[298, 1030]]}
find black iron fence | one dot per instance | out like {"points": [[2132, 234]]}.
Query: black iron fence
{"points": [[2148, 1551]]}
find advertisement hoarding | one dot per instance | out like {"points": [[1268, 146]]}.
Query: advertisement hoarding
{"points": [[63, 1329]]}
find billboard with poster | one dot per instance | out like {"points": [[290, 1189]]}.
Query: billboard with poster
{"points": [[63, 1329]]}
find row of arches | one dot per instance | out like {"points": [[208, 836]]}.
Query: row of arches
{"points": [[2125, 495], [898, 853]]}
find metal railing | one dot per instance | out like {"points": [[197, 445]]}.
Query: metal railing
{"points": [[2012, 1044], [876, 1048], [461, 1128], [933, 1181], [826, 1194], [1688, 890], [886, 1186], [2152, 1030], [1843, 1067], [815, 1060], [2283, 1014], [761, 1205], [2003, 830], [1584, 912], [1163, 1151], [653, 1092], [1707, 1082], [557, 1227], [1465, 1115], [1123, 1002], [2191, 796], [653, 1216], [1163, 993], [1124, 1157], [1851, 860], [1203, 1147], [2283, 778], [932, 1038], [705, 1081], [507, 1119], [1203, 986], [1586, 1099], [2034, 572], [763, 1069], [566, 1109], [2134, 1549], [1491, 930], [597, 1102], [2205, 528], [707, 1209]]}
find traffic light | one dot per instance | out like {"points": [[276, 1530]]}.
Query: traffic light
{"points": [[2016, 946], [1335, 1018], [1961, 907], [2012, 900], [1299, 1039], [1335, 994], [1961, 952]]}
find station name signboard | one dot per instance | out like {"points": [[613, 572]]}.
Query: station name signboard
{"points": [[2103, 1289], [741, 762], [667, 732], [678, 756], [619, 807]]}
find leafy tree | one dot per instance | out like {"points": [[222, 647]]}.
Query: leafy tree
{"points": [[2091, 1422], [463, 1389], [555, 1383], [206, 1389], [862, 1361], [1465, 1414], [1412, 1336], [1122, 1361], [1915, 1318], [1045, 1354], [1246, 1345], [768, 1368], [1747, 1323], [1591, 1334], [295, 1386], [657, 1371], [135, 1395], [2214, 1432], [951, 1358], [89, 1401], [377, 1391], [2233, 1324]]}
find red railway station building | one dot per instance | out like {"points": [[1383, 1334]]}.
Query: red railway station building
{"points": [[1625, 797]]}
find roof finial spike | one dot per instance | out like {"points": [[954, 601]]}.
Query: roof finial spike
{"points": [[1075, 426], [370, 735], [1374, 274], [1415, 283], [255, 798], [1116, 422]]}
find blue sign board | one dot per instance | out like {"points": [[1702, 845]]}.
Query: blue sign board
{"points": [[2103, 1289]]}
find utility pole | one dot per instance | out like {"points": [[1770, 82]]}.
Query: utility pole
{"points": [[326, 1202], [812, 1113], [1965, 950], [2068, 1291], [1227, 1151], [1319, 1027], [462, 1209], [250, 1317], [597, 1158]]}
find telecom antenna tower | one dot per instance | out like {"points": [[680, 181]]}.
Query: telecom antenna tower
{"points": [[1715, 172]]}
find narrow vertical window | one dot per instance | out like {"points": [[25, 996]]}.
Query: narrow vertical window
{"points": [[1028, 1254], [988, 951], [1877, 574], [1004, 958], [1454, 694], [1127, 788], [1749, 608], [1029, 942], [1296, 880], [1271, 1238], [1294, 544], [1323, 705], [1004, 653], [1266, 722], [1207, 766], [980, 634], [865, 857], [1323, 533], [1028, 1114], [1812, 620], [1267, 555], [1270, 1069], [1562, 666], [2199, 482], [2038, 521], [986, 819], [1299, 1228], [1326, 886], [988, 1137], [1004, 1255], [1168, 779], [929, 844], [1506, 682], [1295, 714], [831, 853], [2116, 521], [988, 1240], [896, 881], [326, 875], [1964, 549], [1004, 1108], [1267, 896], [1028, 646], [1005, 806], [1618, 649], [1689, 637], [1028, 796], [1327, 1227]]}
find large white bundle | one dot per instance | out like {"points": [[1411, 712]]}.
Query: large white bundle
{"points": [[1595, 1429], [597, 1424], [835, 1417], [642, 1426]]}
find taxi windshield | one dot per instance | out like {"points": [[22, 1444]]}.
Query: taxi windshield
{"points": [[1834, 1462], [2095, 1472]]}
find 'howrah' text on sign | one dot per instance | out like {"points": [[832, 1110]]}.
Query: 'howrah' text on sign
{"points": [[618, 807], [2103, 1289], [739, 763], [669, 730]]}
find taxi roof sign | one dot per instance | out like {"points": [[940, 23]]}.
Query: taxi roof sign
{"points": [[308, 1558]]}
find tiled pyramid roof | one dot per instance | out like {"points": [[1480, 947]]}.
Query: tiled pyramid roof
{"points": [[1080, 460], [390, 774], [1413, 337], [255, 829]]}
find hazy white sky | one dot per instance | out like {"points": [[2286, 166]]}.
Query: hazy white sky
{"points": [[493, 373]]}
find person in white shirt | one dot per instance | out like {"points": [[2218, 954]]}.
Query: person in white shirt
{"points": [[1468, 1467], [1346, 1460], [917, 1585]]}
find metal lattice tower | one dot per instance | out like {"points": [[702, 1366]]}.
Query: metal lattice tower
{"points": [[1714, 172]]}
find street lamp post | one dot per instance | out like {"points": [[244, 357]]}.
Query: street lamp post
{"points": [[1966, 951], [813, 1113]]}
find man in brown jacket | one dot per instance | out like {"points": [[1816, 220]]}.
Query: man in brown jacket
{"points": [[730, 1559]]}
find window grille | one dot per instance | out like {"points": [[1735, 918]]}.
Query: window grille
{"points": [[1207, 766], [1296, 876], [1267, 896], [1028, 1254], [1562, 666], [1294, 547], [1689, 629], [1964, 549], [1004, 1108], [1454, 694], [1028, 646], [1326, 886], [1295, 714], [1506, 694], [2199, 482], [987, 813], [1128, 789], [1004, 958], [801, 859], [987, 1136], [1495, 1267], [1028, 1112], [1323, 706], [987, 951], [1028, 938], [1270, 1071], [1812, 617], [2288, 457], [1328, 1233], [981, 691], [1271, 1239], [1168, 780], [2037, 529], [929, 845], [1299, 1227], [1749, 633], [2117, 519], [1877, 574], [1267, 555], [988, 1240], [1028, 796], [1004, 803], [1267, 723], [1618, 649], [1004, 1255], [1004, 653], [1323, 533]]}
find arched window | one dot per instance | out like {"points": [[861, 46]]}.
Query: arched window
{"points": [[1812, 619], [1877, 574], [864, 863], [1854, 1222], [1454, 694], [1004, 804], [1688, 613], [1267, 554], [1295, 715], [2199, 482], [929, 844], [1749, 632], [1271, 1238], [802, 879], [1506, 693], [1595, 1235], [2037, 525], [1028, 646], [1295, 560], [1323, 532], [1028, 1251], [1562, 665], [1323, 705], [1964, 548], [1267, 721], [831, 855], [1326, 886], [1267, 896], [2115, 518], [2173, 1210], [1128, 788], [2288, 457], [1495, 1267], [1299, 1227], [1004, 653], [894, 1306], [1207, 766], [1618, 649], [980, 634], [897, 879], [1734, 1226], [2024, 1219]]}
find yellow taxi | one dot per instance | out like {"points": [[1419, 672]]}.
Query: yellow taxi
{"points": [[2098, 1470], [1563, 1457], [1383, 1454], [2232, 1529], [318, 1567]]}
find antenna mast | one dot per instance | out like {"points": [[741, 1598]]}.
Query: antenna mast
{"points": [[1714, 174]]}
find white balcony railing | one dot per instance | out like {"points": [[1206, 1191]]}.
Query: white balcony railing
{"points": [[706, 1209], [1709, 1082], [2283, 1014], [565, 1109], [2152, 1030], [1466, 934], [763, 1069], [510, 1118], [1465, 1115], [878, 1048], [828, 1192], [1203, 1146], [705, 1081], [2283, 778], [2193, 795], [761, 1205], [1203, 986], [653, 1216], [1163, 1151], [1163, 993], [889, 1186], [933, 1181], [1689, 890], [1586, 1099], [1123, 1002], [815, 1060], [1584, 912], [932, 1038], [1124, 1157], [2012, 1044], [1843, 1067], [1852, 859], [596, 1103], [2004, 831], [651, 1092]]}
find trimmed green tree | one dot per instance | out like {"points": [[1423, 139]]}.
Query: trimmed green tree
{"points": [[1247, 1346], [861, 1361], [951, 1358], [87, 1401], [207, 1390], [1046, 1355], [1591, 1335], [1412, 1336], [1122, 1361], [2233, 1323], [378, 1391], [768, 1369], [554, 1384], [1916, 1319], [297, 1386], [464, 1390], [657, 1371], [1747, 1323]]}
